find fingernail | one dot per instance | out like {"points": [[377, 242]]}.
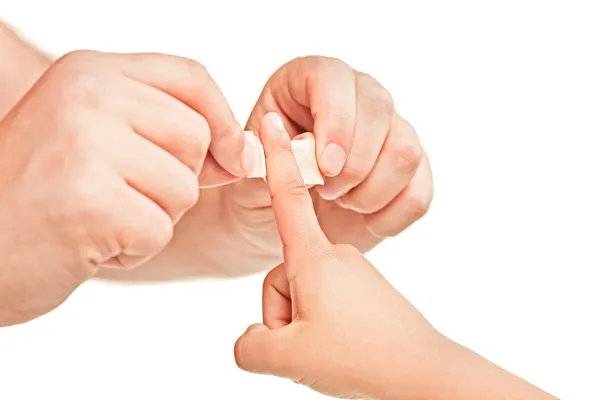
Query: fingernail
{"points": [[275, 120], [248, 156], [333, 159]]}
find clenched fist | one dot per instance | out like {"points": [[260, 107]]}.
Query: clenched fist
{"points": [[100, 159]]}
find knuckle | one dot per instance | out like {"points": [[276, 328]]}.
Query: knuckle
{"points": [[377, 99], [418, 204], [341, 120], [319, 252], [284, 153], [355, 173], [408, 156], [406, 128], [196, 72], [162, 231], [188, 193], [81, 88], [78, 59], [196, 68], [200, 140], [296, 187], [271, 277], [285, 148], [327, 63], [380, 102], [147, 233], [323, 69], [155, 234], [81, 82]]}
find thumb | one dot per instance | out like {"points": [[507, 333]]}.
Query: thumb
{"points": [[261, 350]]}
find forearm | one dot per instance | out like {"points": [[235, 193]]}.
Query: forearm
{"points": [[461, 374], [20, 66]]}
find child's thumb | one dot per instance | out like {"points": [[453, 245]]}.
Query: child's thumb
{"points": [[264, 351]]}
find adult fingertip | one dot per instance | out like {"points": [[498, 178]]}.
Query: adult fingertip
{"points": [[273, 126], [229, 150], [250, 154], [332, 160], [243, 152]]}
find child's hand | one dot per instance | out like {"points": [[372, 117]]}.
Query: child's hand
{"points": [[331, 320]]}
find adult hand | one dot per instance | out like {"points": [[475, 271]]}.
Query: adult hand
{"points": [[97, 163], [378, 179]]}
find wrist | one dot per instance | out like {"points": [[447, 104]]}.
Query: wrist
{"points": [[445, 370], [21, 67], [463, 374]]}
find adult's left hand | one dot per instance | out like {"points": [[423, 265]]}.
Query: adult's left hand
{"points": [[378, 178]]}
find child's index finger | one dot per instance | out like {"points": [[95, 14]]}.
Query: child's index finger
{"points": [[292, 205]]}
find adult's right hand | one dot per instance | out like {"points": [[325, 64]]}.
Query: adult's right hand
{"points": [[97, 163]]}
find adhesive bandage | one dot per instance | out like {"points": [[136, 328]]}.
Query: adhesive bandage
{"points": [[304, 152]]}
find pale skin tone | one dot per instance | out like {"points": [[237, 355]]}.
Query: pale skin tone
{"points": [[21, 66], [156, 123], [386, 176], [105, 154], [332, 322], [101, 159]]}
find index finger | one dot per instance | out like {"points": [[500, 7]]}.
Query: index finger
{"points": [[190, 83], [292, 205]]}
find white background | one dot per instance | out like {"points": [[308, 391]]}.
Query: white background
{"points": [[506, 99]]}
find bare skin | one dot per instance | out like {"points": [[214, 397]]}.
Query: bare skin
{"points": [[102, 157], [378, 177], [87, 184], [21, 66], [385, 183], [332, 322]]}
